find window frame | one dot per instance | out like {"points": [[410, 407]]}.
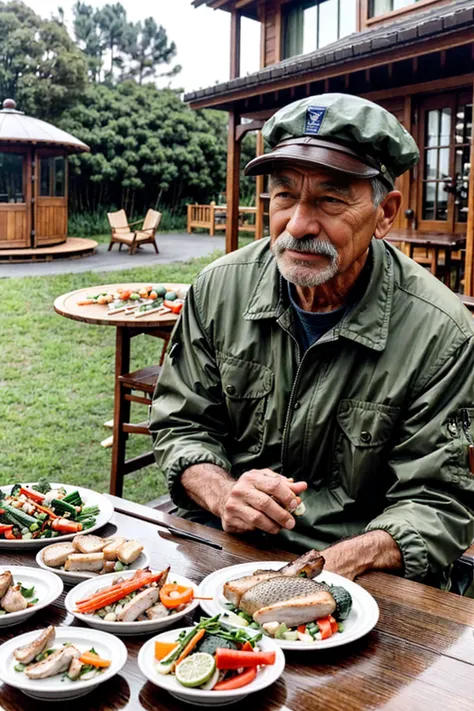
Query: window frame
{"points": [[368, 21], [51, 158], [286, 8]]}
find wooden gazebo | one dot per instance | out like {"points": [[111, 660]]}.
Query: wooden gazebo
{"points": [[33, 182]]}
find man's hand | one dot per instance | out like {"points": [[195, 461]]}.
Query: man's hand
{"points": [[260, 499]]}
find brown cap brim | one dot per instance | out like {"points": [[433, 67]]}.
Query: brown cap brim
{"points": [[310, 153]]}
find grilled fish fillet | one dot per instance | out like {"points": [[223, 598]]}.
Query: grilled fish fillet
{"points": [[311, 563], [6, 579], [26, 654], [298, 610], [57, 662]]}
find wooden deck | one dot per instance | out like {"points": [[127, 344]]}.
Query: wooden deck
{"points": [[73, 248]]}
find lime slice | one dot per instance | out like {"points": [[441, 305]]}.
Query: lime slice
{"points": [[195, 669]]}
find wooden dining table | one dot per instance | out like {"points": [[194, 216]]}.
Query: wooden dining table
{"points": [[420, 655]]}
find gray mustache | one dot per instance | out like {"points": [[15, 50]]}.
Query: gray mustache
{"points": [[313, 245]]}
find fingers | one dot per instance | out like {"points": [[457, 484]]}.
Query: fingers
{"points": [[274, 485], [262, 502], [246, 519]]}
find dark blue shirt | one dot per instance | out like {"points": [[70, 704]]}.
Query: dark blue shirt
{"points": [[311, 325]]}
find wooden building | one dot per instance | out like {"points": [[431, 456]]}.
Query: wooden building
{"points": [[33, 180], [414, 57]]}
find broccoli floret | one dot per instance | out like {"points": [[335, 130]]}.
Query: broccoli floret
{"points": [[43, 486]]}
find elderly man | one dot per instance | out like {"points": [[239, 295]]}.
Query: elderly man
{"points": [[324, 363]]}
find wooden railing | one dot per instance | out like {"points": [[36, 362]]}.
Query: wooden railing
{"points": [[213, 217]]}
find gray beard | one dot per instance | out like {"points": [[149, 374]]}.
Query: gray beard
{"points": [[299, 272]]}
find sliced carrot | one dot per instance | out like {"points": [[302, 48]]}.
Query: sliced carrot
{"points": [[190, 646], [139, 573], [236, 682], [86, 302], [235, 659], [108, 598], [94, 660], [45, 510], [63, 525], [33, 495], [162, 649]]}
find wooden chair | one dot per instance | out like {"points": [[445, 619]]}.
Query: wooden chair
{"points": [[122, 233], [137, 387]]}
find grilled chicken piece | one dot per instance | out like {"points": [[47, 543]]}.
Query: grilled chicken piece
{"points": [[74, 669], [57, 662], [26, 654], [311, 563], [112, 546], [129, 552], [290, 599], [157, 612], [138, 605], [13, 600], [91, 562], [88, 543], [57, 554], [6, 579]]}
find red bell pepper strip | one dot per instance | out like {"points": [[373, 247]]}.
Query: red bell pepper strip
{"points": [[33, 495], [334, 625], [247, 647], [235, 659], [325, 627], [173, 306], [6, 528], [236, 682], [302, 629]]}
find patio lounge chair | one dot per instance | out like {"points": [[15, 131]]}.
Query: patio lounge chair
{"points": [[123, 234]]}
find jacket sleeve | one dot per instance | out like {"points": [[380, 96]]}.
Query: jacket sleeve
{"points": [[188, 417], [431, 500]]}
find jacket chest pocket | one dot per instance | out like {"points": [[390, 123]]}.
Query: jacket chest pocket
{"points": [[362, 440], [246, 388]]}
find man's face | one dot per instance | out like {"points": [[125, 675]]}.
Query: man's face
{"points": [[321, 223]]}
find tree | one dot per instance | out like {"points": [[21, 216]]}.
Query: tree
{"points": [[87, 34], [147, 46], [148, 149], [112, 21], [40, 67]]}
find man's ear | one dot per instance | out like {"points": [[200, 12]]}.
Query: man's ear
{"points": [[387, 212]]}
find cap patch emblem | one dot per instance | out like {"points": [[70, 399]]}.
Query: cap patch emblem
{"points": [[314, 119]]}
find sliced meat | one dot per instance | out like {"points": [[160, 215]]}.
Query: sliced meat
{"points": [[129, 552], [57, 662], [26, 654], [57, 554], [91, 562], [74, 669], [88, 543], [298, 611], [13, 600], [112, 546], [157, 612], [138, 605], [310, 563], [6, 579]]}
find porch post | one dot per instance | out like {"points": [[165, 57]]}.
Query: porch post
{"points": [[233, 184], [468, 267], [259, 188], [235, 45]]}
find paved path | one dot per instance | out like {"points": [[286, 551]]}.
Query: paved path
{"points": [[173, 248]]}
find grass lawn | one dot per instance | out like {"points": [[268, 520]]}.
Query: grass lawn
{"points": [[56, 383]]}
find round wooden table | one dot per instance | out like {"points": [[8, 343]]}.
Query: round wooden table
{"points": [[127, 327]]}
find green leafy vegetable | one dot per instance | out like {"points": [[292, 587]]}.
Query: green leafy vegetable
{"points": [[43, 486]]}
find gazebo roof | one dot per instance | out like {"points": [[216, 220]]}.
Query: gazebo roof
{"points": [[15, 127]]}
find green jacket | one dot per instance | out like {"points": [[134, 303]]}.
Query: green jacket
{"points": [[371, 415]]}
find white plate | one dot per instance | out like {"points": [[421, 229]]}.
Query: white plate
{"points": [[266, 675], [89, 587], [54, 688], [48, 587], [90, 498], [73, 577], [363, 616]]}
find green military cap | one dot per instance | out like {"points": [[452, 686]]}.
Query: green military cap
{"points": [[341, 132]]}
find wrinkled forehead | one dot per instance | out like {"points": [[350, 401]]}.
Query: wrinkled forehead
{"points": [[315, 179]]}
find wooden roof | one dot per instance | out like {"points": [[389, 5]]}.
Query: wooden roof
{"points": [[15, 127], [248, 8], [344, 55]]}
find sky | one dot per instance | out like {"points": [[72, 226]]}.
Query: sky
{"points": [[202, 36]]}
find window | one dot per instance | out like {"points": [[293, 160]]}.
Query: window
{"points": [[53, 176], [313, 24], [380, 7], [11, 177]]}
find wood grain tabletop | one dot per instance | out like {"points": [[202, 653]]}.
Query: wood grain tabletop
{"points": [[419, 656]]}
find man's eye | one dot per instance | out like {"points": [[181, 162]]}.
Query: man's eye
{"points": [[283, 194], [331, 200]]}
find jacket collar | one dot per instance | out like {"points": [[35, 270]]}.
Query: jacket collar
{"points": [[367, 323]]}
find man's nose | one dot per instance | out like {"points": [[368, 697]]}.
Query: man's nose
{"points": [[303, 221]]}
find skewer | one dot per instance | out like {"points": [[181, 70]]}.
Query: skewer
{"points": [[162, 309], [123, 308]]}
